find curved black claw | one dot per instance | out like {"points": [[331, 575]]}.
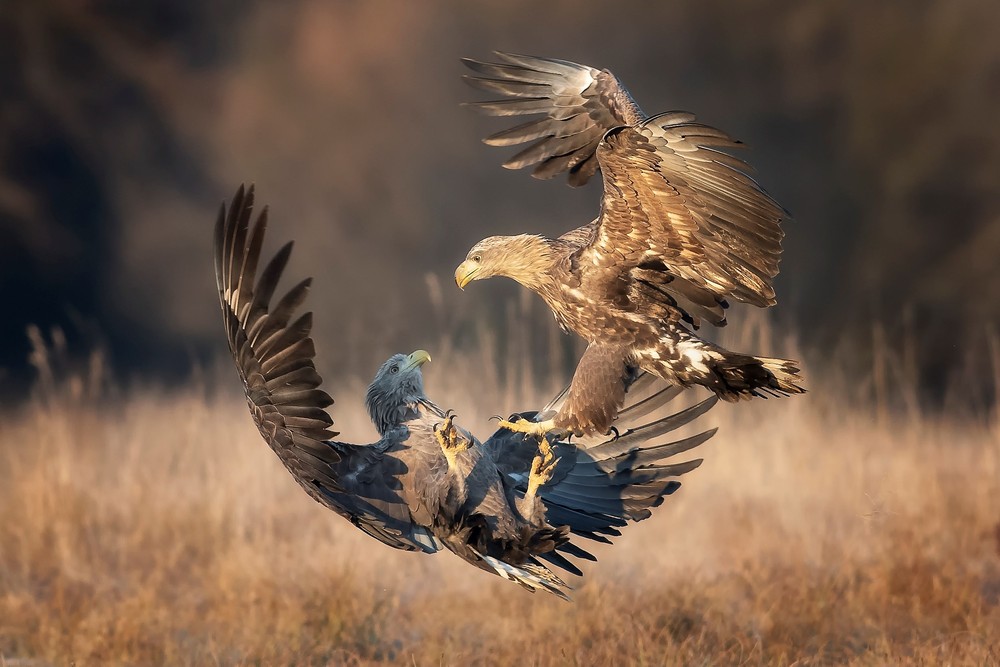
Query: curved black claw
{"points": [[615, 431]]}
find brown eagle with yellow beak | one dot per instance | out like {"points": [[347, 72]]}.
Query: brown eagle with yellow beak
{"points": [[682, 230]]}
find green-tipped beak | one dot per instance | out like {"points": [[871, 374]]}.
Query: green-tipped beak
{"points": [[466, 273], [417, 359]]}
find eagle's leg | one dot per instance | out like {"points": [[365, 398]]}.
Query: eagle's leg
{"points": [[452, 442], [535, 429], [542, 467]]}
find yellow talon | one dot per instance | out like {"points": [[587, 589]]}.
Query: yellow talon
{"points": [[542, 467], [450, 439], [444, 432]]}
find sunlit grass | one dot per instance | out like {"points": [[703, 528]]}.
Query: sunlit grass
{"points": [[154, 527]]}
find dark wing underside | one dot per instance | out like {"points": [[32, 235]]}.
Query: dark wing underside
{"points": [[273, 351], [678, 210], [602, 483]]}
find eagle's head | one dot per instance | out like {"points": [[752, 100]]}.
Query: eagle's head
{"points": [[522, 257], [398, 386]]}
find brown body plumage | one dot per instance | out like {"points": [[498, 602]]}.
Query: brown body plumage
{"points": [[683, 228]]}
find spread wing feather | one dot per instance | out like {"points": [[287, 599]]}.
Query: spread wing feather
{"points": [[671, 200], [274, 357], [579, 105]]}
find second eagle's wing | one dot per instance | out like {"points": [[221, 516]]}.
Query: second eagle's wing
{"points": [[274, 352]]}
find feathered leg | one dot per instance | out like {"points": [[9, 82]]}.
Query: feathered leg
{"points": [[597, 391]]}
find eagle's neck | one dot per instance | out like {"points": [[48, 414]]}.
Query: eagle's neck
{"points": [[530, 260], [389, 410]]}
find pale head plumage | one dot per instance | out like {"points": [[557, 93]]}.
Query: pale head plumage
{"points": [[526, 258]]}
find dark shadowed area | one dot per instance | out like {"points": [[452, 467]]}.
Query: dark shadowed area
{"points": [[123, 126]]}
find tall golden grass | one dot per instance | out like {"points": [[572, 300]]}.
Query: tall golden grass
{"points": [[154, 527]]}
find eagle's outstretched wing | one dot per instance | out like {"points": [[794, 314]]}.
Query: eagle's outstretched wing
{"points": [[673, 201], [273, 351], [273, 355], [580, 104]]}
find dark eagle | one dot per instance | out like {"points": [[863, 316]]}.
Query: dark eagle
{"points": [[682, 229], [503, 505]]}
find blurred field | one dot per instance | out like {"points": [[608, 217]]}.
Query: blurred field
{"points": [[154, 527]]}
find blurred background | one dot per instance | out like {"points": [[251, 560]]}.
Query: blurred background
{"points": [[123, 126]]}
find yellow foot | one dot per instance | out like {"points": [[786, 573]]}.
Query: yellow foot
{"points": [[451, 440], [536, 429], [445, 432], [542, 467]]}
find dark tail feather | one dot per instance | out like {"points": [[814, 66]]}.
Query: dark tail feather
{"points": [[738, 376]]}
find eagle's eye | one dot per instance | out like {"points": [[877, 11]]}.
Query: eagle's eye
{"points": [[477, 258], [394, 369]]}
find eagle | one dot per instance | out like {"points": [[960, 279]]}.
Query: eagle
{"points": [[505, 504], [683, 229]]}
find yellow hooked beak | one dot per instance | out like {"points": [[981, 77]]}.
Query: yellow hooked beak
{"points": [[466, 273], [416, 359]]}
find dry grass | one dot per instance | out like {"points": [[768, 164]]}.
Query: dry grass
{"points": [[156, 528]]}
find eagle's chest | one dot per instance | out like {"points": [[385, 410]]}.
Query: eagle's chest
{"points": [[449, 494], [572, 308], [595, 309]]}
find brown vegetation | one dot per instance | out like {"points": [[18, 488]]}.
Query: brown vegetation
{"points": [[155, 528], [124, 124]]}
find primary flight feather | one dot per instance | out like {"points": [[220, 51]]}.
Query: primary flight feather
{"points": [[510, 505], [682, 229]]}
